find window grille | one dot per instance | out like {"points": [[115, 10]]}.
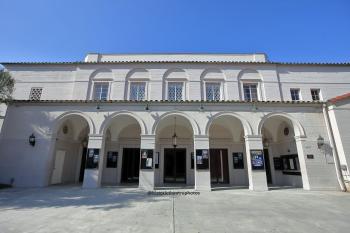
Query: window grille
{"points": [[250, 92], [295, 94], [101, 91], [137, 91], [35, 93], [175, 90], [315, 94], [213, 91]]}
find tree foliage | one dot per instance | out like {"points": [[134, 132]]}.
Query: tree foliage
{"points": [[7, 84]]}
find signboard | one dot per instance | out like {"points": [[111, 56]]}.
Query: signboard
{"points": [[257, 159], [146, 159], [92, 158], [238, 162], [202, 159], [112, 159]]}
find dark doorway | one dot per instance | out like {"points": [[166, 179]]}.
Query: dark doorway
{"points": [[218, 166], [267, 166], [175, 165], [131, 165], [82, 165]]}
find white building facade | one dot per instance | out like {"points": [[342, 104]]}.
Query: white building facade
{"points": [[163, 120]]}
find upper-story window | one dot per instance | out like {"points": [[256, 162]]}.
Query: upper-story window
{"points": [[250, 91], [137, 91], [212, 91], [175, 91], [101, 90], [35, 93], [315, 94], [295, 94]]}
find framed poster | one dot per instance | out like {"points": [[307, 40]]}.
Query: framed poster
{"points": [[202, 159], [257, 159], [112, 159], [146, 159], [238, 161], [92, 158]]}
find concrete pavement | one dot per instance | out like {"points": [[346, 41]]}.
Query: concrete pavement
{"points": [[72, 209]]}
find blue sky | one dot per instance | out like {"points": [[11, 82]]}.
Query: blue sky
{"points": [[65, 30]]}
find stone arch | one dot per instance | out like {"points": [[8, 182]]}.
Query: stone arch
{"points": [[136, 71], [107, 122], [95, 73], [245, 124], [298, 128], [217, 72], [176, 71], [194, 124], [60, 119], [251, 74]]}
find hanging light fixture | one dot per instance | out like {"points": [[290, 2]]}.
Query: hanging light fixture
{"points": [[175, 136]]}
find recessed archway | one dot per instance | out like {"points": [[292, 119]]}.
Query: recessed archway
{"points": [[283, 162], [227, 152], [121, 158], [68, 163], [174, 146]]}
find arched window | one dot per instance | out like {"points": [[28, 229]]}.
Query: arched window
{"points": [[251, 87], [175, 83], [100, 85], [213, 85]]}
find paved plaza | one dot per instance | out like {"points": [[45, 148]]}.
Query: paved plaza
{"points": [[73, 209]]}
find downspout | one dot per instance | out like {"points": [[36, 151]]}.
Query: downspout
{"points": [[334, 147]]}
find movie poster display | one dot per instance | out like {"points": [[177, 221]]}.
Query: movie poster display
{"points": [[92, 158], [257, 159], [202, 159], [146, 159]]}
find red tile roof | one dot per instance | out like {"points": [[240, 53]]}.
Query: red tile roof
{"points": [[339, 98]]}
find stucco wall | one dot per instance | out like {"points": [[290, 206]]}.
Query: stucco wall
{"points": [[75, 81], [30, 166]]}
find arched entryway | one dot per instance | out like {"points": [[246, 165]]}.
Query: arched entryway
{"points": [[227, 152], [121, 160], [70, 148], [282, 160], [174, 146]]}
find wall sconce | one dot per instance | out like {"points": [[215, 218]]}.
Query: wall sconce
{"points": [[147, 107], [201, 108], [32, 140], [254, 107], [320, 142], [98, 107]]}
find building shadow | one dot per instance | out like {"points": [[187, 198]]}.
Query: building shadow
{"points": [[74, 196]]}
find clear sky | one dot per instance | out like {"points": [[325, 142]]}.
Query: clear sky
{"points": [[65, 30]]}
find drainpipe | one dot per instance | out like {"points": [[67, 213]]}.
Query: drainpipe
{"points": [[333, 145]]}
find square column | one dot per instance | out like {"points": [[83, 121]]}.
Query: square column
{"points": [[94, 162], [202, 166], [254, 153], [146, 176], [304, 176]]}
